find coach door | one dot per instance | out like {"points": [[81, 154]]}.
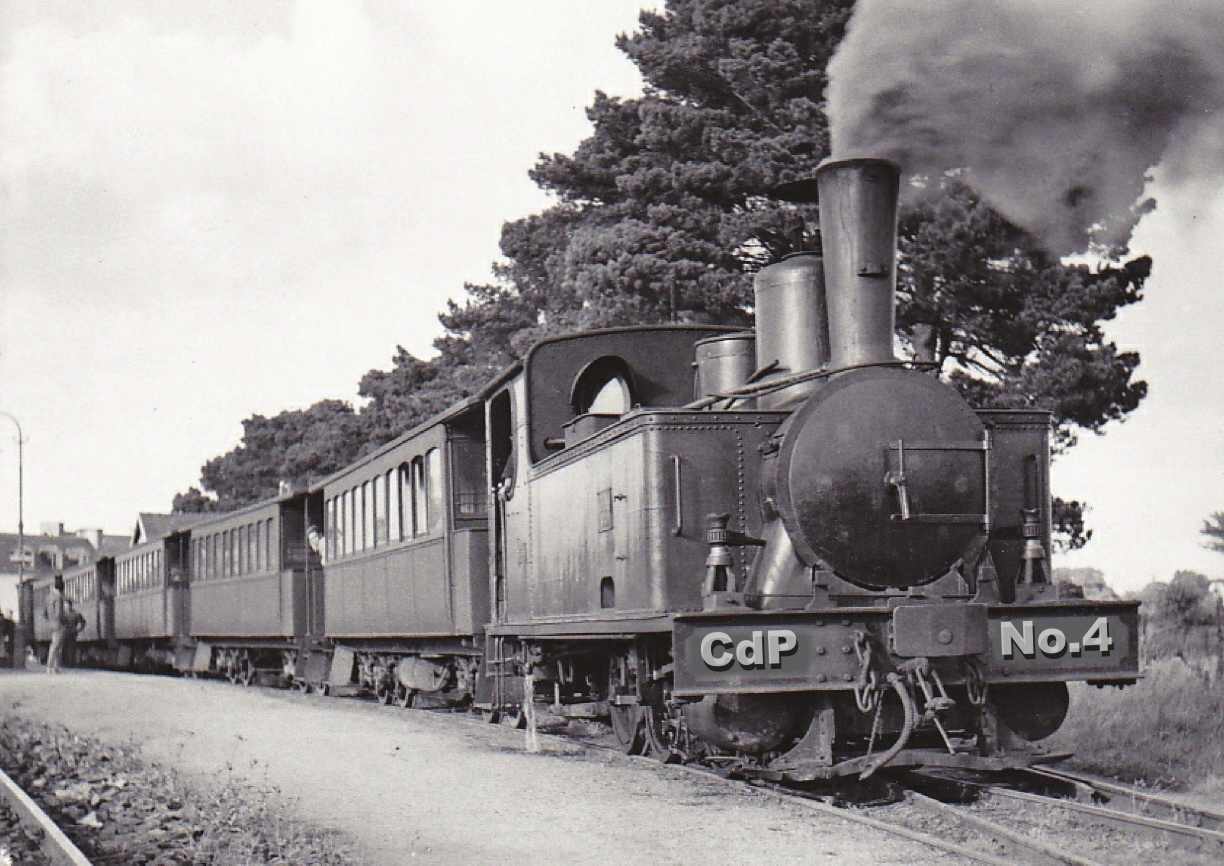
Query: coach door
{"points": [[501, 482], [315, 623]]}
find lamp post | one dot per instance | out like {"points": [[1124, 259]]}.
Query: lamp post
{"points": [[18, 634]]}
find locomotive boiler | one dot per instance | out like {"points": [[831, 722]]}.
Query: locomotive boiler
{"points": [[826, 563]]}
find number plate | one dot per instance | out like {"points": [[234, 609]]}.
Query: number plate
{"points": [[749, 652], [1093, 641]]}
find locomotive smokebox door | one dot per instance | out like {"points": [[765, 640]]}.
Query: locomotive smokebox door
{"points": [[882, 475]]}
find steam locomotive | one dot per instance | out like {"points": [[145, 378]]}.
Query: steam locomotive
{"points": [[816, 561]]}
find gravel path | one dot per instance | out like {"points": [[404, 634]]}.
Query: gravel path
{"points": [[416, 786]]}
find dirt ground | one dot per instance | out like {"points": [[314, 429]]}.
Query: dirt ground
{"points": [[440, 788]]}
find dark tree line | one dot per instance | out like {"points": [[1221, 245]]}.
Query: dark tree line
{"points": [[665, 212]]}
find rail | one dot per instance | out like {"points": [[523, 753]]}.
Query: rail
{"points": [[58, 848]]}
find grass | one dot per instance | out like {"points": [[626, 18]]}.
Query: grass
{"points": [[1166, 731]]}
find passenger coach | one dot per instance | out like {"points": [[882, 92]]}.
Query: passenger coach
{"points": [[406, 549], [152, 603], [255, 589]]}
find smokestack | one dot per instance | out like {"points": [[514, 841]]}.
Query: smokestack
{"points": [[858, 228], [791, 324]]}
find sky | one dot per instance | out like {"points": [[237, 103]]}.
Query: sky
{"points": [[214, 210]]}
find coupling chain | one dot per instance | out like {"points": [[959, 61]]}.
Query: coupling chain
{"points": [[866, 685]]}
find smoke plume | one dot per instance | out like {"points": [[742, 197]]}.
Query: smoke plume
{"points": [[1058, 109]]}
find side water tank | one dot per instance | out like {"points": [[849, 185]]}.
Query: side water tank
{"points": [[792, 329], [723, 363]]}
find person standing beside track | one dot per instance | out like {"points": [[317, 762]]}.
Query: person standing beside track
{"points": [[58, 613]]}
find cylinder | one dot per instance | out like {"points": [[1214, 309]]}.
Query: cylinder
{"points": [[791, 328], [858, 226], [723, 363]]}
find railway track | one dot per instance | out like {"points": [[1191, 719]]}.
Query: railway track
{"points": [[56, 846], [990, 829], [1158, 822]]}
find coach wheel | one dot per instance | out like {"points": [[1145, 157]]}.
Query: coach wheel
{"points": [[248, 675], [628, 728], [384, 693], [406, 697], [491, 716], [324, 689], [516, 718], [302, 686]]}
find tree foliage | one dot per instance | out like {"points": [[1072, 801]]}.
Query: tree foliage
{"points": [[1188, 601], [193, 501], [1213, 528], [668, 207], [295, 446]]}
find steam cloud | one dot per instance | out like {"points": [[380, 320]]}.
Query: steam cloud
{"points": [[1058, 109]]}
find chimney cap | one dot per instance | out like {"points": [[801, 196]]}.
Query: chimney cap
{"points": [[849, 161]]}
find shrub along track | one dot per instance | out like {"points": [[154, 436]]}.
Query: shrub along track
{"points": [[121, 810]]}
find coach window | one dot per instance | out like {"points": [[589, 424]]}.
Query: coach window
{"points": [[406, 503], [253, 548], [329, 529], [367, 516], [420, 502], [434, 483], [394, 518], [378, 502], [268, 544], [241, 561], [342, 523]]}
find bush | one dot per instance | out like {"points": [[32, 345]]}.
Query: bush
{"points": [[1167, 730]]}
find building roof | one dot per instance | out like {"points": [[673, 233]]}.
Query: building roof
{"points": [[112, 544], [51, 553], [150, 526]]}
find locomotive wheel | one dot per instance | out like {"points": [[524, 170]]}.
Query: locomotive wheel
{"points": [[516, 718], [303, 686], [629, 728], [658, 738], [324, 689], [491, 716], [248, 676], [406, 697], [384, 693], [628, 722]]}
